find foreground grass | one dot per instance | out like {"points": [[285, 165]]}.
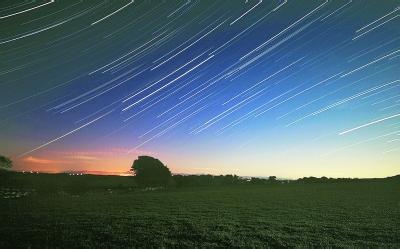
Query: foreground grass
{"points": [[356, 214]]}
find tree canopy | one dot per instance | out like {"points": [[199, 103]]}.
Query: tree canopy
{"points": [[150, 171], [5, 162]]}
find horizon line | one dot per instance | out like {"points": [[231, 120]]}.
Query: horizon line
{"points": [[128, 173]]}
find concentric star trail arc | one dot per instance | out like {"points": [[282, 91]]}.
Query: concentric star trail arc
{"points": [[193, 81]]}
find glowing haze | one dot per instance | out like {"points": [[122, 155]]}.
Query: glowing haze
{"points": [[256, 88]]}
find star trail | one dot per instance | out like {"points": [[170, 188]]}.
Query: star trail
{"points": [[257, 87]]}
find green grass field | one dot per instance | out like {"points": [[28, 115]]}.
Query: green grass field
{"points": [[361, 214]]}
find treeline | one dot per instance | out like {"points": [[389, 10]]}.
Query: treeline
{"points": [[51, 183], [58, 183], [220, 180], [312, 179]]}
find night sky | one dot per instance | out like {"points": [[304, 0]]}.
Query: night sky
{"points": [[250, 87]]}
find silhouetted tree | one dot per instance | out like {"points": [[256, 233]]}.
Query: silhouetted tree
{"points": [[5, 162], [150, 171]]}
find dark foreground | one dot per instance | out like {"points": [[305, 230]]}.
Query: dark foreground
{"points": [[350, 214]]}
